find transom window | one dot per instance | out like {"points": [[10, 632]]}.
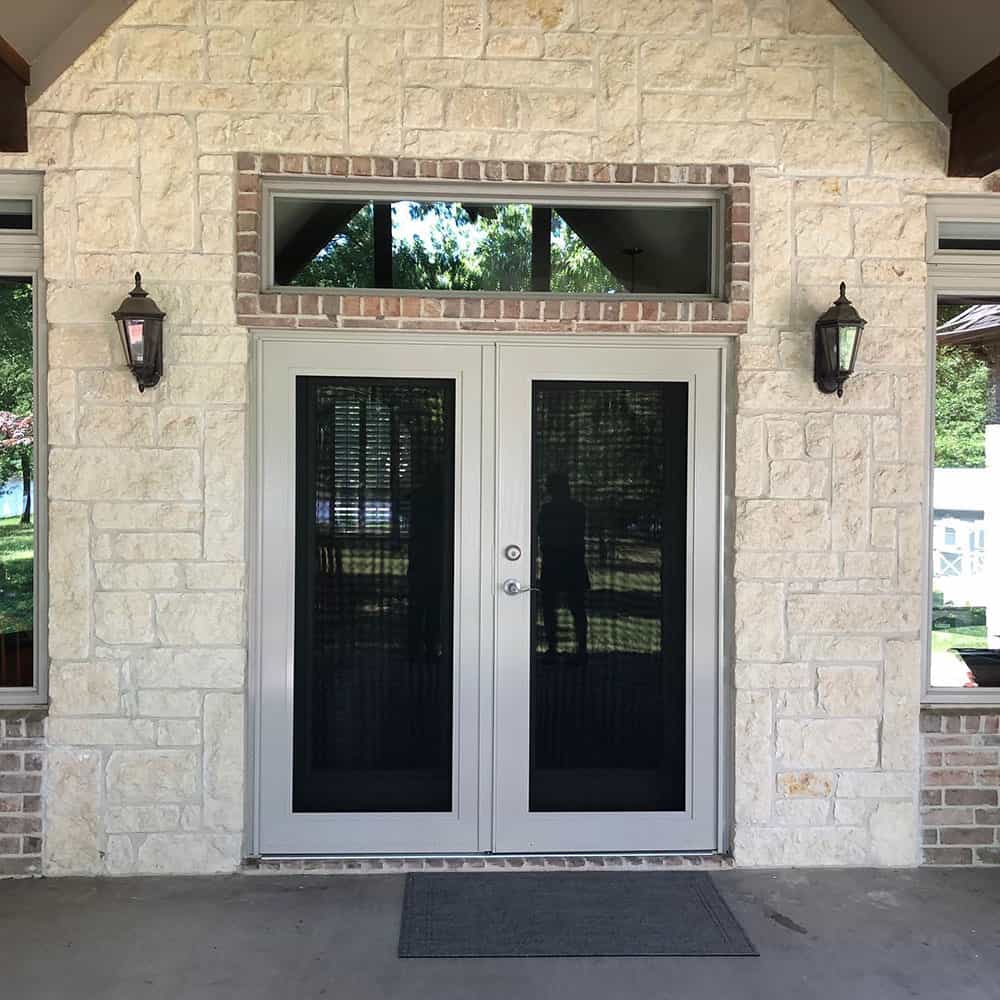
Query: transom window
{"points": [[492, 239]]}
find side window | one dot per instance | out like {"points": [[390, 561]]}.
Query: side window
{"points": [[22, 502], [965, 611]]}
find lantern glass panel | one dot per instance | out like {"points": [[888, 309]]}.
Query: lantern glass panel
{"points": [[848, 339], [829, 345], [135, 332]]}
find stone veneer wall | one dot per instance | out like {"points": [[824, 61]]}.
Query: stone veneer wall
{"points": [[147, 552], [22, 771], [959, 804]]}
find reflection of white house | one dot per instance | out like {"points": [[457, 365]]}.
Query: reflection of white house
{"points": [[960, 500], [11, 498], [978, 328]]}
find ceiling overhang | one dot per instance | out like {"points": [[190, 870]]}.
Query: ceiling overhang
{"points": [[907, 63], [975, 129], [15, 76], [60, 52]]}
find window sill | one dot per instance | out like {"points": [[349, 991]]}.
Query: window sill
{"points": [[10, 709], [973, 698]]}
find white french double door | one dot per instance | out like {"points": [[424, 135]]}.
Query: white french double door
{"points": [[488, 596]]}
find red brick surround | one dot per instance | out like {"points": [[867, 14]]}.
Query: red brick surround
{"points": [[960, 807], [492, 313]]}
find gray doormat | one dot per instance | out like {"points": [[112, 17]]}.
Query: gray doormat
{"points": [[571, 914]]}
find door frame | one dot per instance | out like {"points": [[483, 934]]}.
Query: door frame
{"points": [[722, 345]]}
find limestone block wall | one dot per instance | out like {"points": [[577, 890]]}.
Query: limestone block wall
{"points": [[147, 552]]}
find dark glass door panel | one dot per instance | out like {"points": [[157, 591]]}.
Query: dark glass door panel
{"points": [[608, 655], [374, 558]]}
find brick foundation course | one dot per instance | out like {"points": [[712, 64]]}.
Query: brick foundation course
{"points": [[960, 790], [22, 766]]}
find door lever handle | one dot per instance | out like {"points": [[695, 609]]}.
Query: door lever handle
{"points": [[512, 588]]}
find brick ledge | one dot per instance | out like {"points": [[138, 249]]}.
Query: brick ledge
{"points": [[485, 862]]}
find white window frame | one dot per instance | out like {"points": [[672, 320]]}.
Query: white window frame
{"points": [[21, 256], [975, 274], [520, 193]]}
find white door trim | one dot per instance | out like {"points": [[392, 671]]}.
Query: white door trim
{"points": [[721, 345]]}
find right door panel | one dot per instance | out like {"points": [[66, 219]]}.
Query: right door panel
{"points": [[607, 668]]}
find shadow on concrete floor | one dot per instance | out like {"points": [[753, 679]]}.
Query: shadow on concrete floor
{"points": [[822, 935]]}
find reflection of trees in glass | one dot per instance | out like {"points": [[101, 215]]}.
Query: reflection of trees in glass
{"points": [[16, 387], [463, 249], [16, 419], [575, 267], [960, 439], [961, 398]]}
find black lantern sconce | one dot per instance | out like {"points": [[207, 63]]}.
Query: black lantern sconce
{"points": [[838, 335], [140, 323]]}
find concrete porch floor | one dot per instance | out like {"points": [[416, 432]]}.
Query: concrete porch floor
{"points": [[821, 934]]}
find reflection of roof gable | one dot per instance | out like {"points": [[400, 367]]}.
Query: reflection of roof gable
{"points": [[960, 490], [979, 324]]}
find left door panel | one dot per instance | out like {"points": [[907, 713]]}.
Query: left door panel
{"points": [[369, 465]]}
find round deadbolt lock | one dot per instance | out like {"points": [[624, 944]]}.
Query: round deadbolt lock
{"points": [[512, 552]]}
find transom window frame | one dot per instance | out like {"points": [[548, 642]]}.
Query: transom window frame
{"points": [[971, 208], [972, 274], [21, 255], [21, 187], [592, 195]]}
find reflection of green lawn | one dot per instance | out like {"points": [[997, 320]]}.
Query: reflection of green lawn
{"points": [[971, 637], [16, 573], [622, 604]]}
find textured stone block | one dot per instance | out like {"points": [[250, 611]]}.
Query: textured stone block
{"points": [[224, 761], [150, 776], [200, 619], [809, 784], [73, 820], [759, 620], [826, 743], [851, 691], [188, 853]]}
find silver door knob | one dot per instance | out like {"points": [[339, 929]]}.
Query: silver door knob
{"points": [[512, 588]]}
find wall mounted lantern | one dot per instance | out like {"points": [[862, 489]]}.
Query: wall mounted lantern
{"points": [[838, 335], [140, 323]]}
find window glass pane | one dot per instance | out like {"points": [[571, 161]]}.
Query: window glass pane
{"points": [[17, 508], [460, 246], [15, 213], [965, 650], [609, 501], [374, 595], [969, 236]]}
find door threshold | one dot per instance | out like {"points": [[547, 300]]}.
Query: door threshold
{"points": [[402, 864]]}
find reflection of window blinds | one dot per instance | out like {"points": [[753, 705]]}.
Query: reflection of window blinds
{"points": [[371, 464], [348, 424]]}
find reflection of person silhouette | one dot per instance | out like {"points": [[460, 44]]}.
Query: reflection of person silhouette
{"points": [[425, 570], [562, 525]]}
